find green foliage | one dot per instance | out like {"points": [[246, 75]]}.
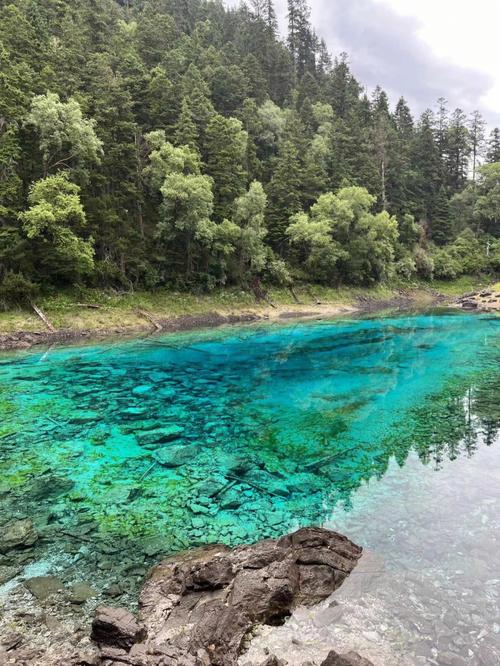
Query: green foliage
{"points": [[465, 256], [65, 136], [344, 240], [54, 222], [165, 113], [16, 290], [187, 199]]}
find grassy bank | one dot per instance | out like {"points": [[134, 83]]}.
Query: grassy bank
{"points": [[67, 310]]}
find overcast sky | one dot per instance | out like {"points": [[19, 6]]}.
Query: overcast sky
{"points": [[422, 49]]}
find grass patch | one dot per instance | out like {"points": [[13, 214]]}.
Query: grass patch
{"points": [[65, 310]]}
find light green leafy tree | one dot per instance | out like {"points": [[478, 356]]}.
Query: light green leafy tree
{"points": [[187, 200], [240, 241], [341, 239], [55, 223], [66, 138]]}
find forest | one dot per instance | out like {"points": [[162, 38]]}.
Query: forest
{"points": [[152, 143]]}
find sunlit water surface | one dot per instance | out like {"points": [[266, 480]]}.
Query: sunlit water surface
{"points": [[385, 429]]}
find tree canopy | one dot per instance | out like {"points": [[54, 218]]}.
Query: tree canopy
{"points": [[154, 142]]}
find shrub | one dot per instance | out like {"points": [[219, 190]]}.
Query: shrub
{"points": [[15, 289]]}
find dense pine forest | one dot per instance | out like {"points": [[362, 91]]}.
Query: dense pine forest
{"points": [[148, 143]]}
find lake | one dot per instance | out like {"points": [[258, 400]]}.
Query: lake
{"points": [[384, 428]]}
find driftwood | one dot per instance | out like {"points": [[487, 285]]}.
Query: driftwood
{"points": [[295, 297], [151, 319], [49, 418], [225, 488], [43, 317], [309, 291], [326, 459], [135, 492], [253, 485]]}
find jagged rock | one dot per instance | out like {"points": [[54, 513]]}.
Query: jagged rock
{"points": [[197, 607], [116, 627], [42, 587], [349, 659], [17, 534]]}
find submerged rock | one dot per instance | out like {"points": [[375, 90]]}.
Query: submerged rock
{"points": [[197, 607], [80, 593], [175, 456], [8, 573], [42, 587], [160, 435], [17, 534], [49, 486]]}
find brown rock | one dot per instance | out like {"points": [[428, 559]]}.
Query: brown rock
{"points": [[116, 627], [349, 659], [17, 534], [197, 607]]}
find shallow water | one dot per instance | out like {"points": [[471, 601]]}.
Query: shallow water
{"points": [[238, 434]]}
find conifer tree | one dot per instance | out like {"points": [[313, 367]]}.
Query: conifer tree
{"points": [[477, 140], [493, 154], [225, 151]]}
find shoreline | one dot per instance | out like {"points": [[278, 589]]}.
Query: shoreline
{"points": [[159, 325]]}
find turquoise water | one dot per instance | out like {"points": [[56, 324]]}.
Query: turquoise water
{"points": [[244, 433], [386, 429]]}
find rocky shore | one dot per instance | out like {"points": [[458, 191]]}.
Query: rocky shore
{"points": [[198, 608], [487, 300]]}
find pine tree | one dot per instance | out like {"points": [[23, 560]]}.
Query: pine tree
{"points": [[343, 89], [477, 140], [427, 165], [284, 192], [440, 219], [401, 175], [186, 132], [493, 154], [225, 153], [301, 39], [459, 149]]}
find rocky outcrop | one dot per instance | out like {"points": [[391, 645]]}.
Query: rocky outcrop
{"points": [[197, 608], [17, 534], [117, 628]]}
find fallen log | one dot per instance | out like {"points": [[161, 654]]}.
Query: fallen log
{"points": [[151, 319], [327, 459], [44, 318]]}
